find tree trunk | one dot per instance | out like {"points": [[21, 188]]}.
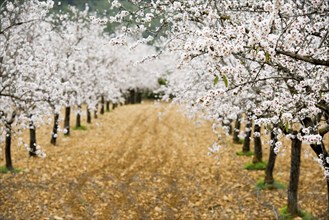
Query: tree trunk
{"points": [[88, 116], [114, 106], [132, 96], [322, 154], [55, 129], [258, 154], [102, 105], [33, 139], [320, 150], [95, 111], [248, 130], [108, 106], [230, 130], [127, 99], [139, 97], [236, 132], [296, 145], [67, 120], [78, 119], [271, 160], [9, 164]]}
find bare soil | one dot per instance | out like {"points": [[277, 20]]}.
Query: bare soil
{"points": [[134, 163]]}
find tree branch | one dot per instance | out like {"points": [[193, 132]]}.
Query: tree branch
{"points": [[304, 58], [16, 24], [323, 130]]}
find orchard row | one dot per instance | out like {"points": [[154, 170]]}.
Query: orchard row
{"points": [[53, 61], [265, 60]]}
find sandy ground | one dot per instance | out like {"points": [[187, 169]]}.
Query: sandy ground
{"points": [[135, 163]]}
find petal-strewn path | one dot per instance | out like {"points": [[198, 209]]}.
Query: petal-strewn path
{"points": [[135, 163]]}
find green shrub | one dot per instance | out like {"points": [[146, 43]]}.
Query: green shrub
{"points": [[162, 81], [81, 128], [276, 185], [255, 166], [248, 154], [241, 141], [285, 215], [5, 170]]}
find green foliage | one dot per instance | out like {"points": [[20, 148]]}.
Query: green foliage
{"points": [[225, 80], [248, 154], [287, 127], [276, 185], [162, 82], [285, 215], [5, 170], [216, 80], [267, 57], [103, 8], [81, 128], [240, 141], [95, 5], [255, 166]]}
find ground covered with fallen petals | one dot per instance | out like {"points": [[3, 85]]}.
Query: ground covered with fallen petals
{"points": [[134, 163]]}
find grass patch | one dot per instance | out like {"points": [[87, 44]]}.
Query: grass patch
{"points": [[240, 141], [276, 185], [285, 215], [5, 170], [255, 166], [81, 128], [248, 154]]}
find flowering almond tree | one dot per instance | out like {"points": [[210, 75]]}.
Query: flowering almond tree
{"points": [[20, 96], [51, 61], [279, 49]]}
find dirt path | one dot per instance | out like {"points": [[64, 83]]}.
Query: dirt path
{"points": [[133, 164]]}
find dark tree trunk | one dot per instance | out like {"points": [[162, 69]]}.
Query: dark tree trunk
{"points": [[67, 120], [296, 145], [102, 105], [9, 164], [78, 119], [88, 116], [271, 160], [248, 130], [236, 132], [114, 106], [95, 111], [132, 96], [127, 99], [55, 129], [258, 154], [33, 139], [322, 154], [108, 106], [230, 130], [139, 97], [320, 149]]}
